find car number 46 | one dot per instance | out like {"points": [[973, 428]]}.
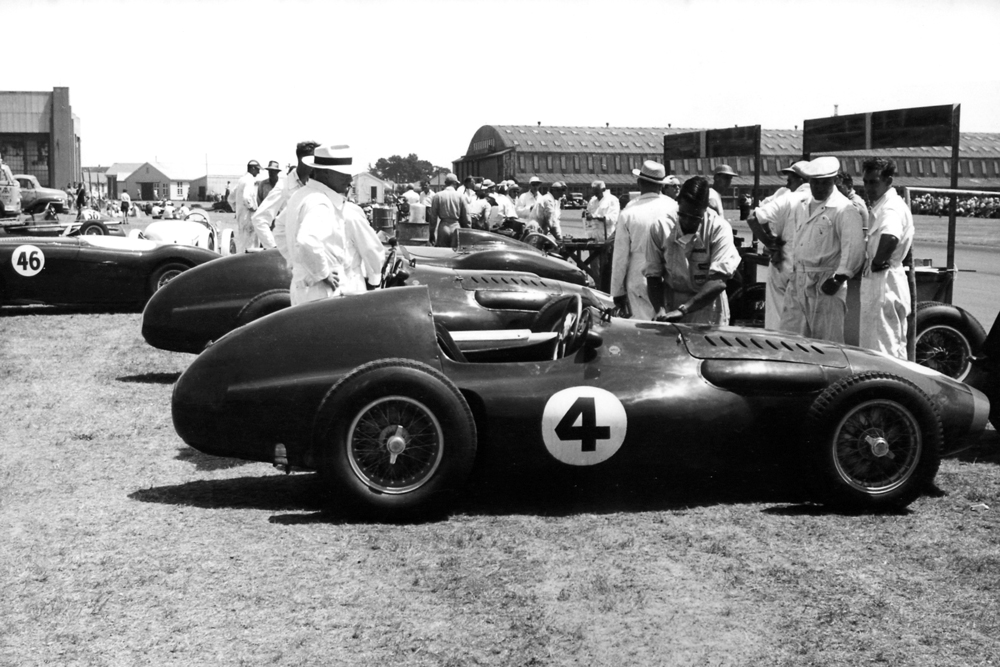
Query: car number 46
{"points": [[583, 426], [28, 260]]}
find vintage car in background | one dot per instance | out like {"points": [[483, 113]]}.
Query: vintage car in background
{"points": [[98, 227], [393, 408], [89, 270], [197, 229], [10, 193], [479, 271], [35, 197]]}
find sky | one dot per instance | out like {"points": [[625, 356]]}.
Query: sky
{"points": [[220, 82]]}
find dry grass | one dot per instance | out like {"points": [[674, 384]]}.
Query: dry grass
{"points": [[122, 546]]}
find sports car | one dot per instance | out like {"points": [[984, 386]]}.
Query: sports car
{"points": [[394, 409], [89, 270], [197, 229], [212, 300]]}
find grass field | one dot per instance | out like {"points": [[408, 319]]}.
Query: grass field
{"points": [[122, 546]]}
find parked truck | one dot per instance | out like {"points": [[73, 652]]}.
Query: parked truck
{"points": [[35, 197]]}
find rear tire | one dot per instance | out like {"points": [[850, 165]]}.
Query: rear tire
{"points": [[396, 440], [93, 228], [872, 442], [948, 338]]}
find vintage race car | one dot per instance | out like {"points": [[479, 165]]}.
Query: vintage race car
{"points": [[99, 227], [197, 229], [209, 302], [394, 409], [89, 270]]}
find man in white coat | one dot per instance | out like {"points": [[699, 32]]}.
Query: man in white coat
{"points": [[885, 292], [245, 203], [267, 216], [628, 284], [773, 223], [333, 250], [525, 204], [828, 248], [602, 212]]}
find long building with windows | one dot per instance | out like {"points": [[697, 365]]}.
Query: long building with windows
{"points": [[40, 135], [580, 155]]}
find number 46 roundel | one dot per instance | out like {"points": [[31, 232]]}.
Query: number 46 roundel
{"points": [[582, 426]]}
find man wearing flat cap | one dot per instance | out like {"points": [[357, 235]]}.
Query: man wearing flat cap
{"points": [[628, 284], [722, 182], [773, 223], [245, 199], [827, 249], [602, 213], [332, 248], [447, 212]]}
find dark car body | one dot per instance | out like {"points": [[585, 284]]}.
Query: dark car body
{"points": [[35, 197], [68, 228], [627, 396], [210, 301], [89, 270]]}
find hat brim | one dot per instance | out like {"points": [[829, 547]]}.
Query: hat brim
{"points": [[660, 181], [310, 160]]}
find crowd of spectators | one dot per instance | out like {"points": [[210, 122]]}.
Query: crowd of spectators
{"points": [[965, 207]]}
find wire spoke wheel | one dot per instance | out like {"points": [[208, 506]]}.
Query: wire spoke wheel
{"points": [[395, 444], [877, 446], [944, 349]]}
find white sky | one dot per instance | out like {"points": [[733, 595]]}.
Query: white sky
{"points": [[224, 81]]}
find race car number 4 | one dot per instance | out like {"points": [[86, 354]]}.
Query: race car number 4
{"points": [[583, 426], [28, 260]]}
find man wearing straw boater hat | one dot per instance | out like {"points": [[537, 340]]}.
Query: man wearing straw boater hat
{"points": [[628, 284], [331, 247]]}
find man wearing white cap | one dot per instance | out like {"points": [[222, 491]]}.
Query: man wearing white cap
{"points": [[828, 248], [245, 200], [885, 292], [504, 209], [526, 202], [688, 263], [332, 248], [671, 186], [628, 284], [773, 223], [602, 212], [447, 212], [267, 215], [722, 182]]}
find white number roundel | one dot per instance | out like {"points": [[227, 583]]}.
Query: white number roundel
{"points": [[583, 426], [28, 260]]}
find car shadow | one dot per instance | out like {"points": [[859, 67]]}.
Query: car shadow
{"points": [[207, 461], [301, 499], [150, 378], [984, 450]]}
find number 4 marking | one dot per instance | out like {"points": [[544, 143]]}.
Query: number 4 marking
{"points": [[588, 432]]}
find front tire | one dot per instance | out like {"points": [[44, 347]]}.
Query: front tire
{"points": [[228, 244], [396, 440], [164, 274], [872, 442]]}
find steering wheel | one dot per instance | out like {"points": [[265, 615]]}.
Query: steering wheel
{"points": [[571, 327], [540, 241], [388, 267]]}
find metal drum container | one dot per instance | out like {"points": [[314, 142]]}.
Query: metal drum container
{"points": [[384, 219], [413, 234]]}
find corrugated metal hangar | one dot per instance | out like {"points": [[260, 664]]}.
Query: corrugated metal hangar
{"points": [[40, 135], [580, 155]]}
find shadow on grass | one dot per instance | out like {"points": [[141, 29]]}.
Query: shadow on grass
{"points": [[985, 450], [302, 500], [150, 378], [206, 461], [16, 311]]}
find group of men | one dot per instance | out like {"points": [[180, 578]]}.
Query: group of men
{"points": [[304, 213], [672, 258]]}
